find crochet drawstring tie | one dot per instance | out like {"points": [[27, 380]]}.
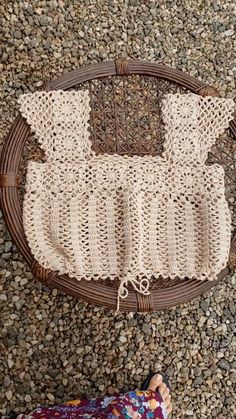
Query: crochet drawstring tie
{"points": [[141, 286]]}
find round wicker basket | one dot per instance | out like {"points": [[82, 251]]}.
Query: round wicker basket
{"points": [[125, 119]]}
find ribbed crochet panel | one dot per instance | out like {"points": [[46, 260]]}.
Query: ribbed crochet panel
{"points": [[129, 219]]}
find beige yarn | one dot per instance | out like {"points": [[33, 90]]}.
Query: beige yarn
{"points": [[129, 219]]}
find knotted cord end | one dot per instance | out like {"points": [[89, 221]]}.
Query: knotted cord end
{"points": [[141, 286]]}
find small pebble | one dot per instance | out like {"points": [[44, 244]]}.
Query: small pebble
{"points": [[50, 397], [8, 394], [123, 339]]}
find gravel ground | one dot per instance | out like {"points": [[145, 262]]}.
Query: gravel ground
{"points": [[54, 348]]}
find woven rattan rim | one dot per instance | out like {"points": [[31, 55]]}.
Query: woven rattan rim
{"points": [[93, 292]]}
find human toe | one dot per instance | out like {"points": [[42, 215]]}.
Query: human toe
{"points": [[155, 382]]}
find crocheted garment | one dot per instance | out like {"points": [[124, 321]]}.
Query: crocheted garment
{"points": [[129, 219]]}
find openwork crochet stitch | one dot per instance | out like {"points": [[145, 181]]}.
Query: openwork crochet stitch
{"points": [[127, 218]]}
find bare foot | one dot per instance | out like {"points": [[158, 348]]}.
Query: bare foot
{"points": [[156, 383]]}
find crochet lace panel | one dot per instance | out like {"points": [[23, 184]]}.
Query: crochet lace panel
{"points": [[58, 118], [129, 219], [193, 123]]}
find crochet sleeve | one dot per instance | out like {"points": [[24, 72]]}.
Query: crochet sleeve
{"points": [[214, 117], [192, 124], [36, 109], [180, 117], [59, 120]]}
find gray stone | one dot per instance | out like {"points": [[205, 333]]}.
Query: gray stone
{"points": [[6, 381], [232, 307], [19, 304], [197, 371], [6, 256], [43, 21], [47, 46], [146, 329], [224, 364], [21, 76], [17, 35], [33, 43], [39, 376], [8, 246], [118, 325], [4, 57], [198, 381], [204, 305]]}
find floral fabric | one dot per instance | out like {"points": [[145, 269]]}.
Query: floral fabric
{"points": [[134, 404]]}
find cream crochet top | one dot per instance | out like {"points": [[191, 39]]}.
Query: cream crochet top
{"points": [[129, 219]]}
